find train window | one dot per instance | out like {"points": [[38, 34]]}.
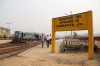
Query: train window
{"points": [[16, 33]]}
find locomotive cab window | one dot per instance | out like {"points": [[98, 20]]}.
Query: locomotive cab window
{"points": [[24, 34]]}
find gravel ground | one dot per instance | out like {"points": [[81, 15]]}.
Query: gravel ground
{"points": [[38, 56]]}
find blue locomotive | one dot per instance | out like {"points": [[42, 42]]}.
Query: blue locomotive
{"points": [[24, 37]]}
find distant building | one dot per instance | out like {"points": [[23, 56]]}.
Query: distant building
{"points": [[4, 30]]}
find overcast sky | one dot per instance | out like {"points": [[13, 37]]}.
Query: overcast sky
{"points": [[26, 15]]}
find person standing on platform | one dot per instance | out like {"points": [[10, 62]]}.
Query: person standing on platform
{"points": [[42, 40], [38, 37], [48, 41], [50, 38]]}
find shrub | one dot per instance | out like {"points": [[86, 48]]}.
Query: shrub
{"points": [[1, 36]]}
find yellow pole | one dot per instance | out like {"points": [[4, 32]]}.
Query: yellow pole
{"points": [[90, 36], [53, 37]]}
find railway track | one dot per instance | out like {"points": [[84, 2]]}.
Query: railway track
{"points": [[9, 50], [10, 44]]}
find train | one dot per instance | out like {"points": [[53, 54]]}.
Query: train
{"points": [[20, 37]]}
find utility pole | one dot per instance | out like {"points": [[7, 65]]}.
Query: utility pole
{"points": [[8, 29], [32, 30], [66, 31], [32, 33], [71, 31]]}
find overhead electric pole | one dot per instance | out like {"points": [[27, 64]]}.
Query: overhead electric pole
{"points": [[8, 29], [71, 31], [32, 30], [66, 31]]}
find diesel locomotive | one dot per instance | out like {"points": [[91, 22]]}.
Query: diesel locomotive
{"points": [[20, 37]]}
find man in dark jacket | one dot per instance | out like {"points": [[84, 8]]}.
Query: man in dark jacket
{"points": [[50, 38]]}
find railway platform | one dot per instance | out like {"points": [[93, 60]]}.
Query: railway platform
{"points": [[38, 56], [4, 41]]}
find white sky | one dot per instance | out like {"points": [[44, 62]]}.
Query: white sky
{"points": [[37, 14]]}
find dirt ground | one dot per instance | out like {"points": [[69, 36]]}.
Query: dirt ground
{"points": [[38, 56], [4, 41]]}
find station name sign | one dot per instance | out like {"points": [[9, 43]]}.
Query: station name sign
{"points": [[71, 21]]}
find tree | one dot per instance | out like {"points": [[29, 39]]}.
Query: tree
{"points": [[75, 34], [5, 36], [11, 36]]}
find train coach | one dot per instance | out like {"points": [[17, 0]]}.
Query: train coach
{"points": [[20, 37]]}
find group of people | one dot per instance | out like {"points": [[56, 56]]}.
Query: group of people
{"points": [[46, 39]]}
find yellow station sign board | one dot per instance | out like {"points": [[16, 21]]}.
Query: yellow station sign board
{"points": [[71, 22], [80, 21]]}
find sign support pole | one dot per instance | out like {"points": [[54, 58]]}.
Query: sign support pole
{"points": [[90, 35], [53, 37]]}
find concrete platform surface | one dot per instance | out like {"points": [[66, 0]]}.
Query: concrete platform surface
{"points": [[4, 41], [38, 56]]}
